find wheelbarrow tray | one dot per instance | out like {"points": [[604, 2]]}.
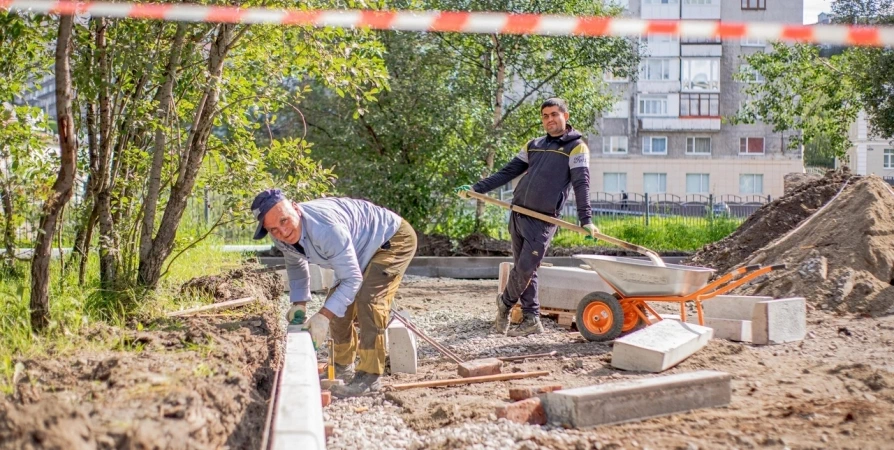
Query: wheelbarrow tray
{"points": [[635, 277]]}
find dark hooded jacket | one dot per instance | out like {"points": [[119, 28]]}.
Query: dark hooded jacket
{"points": [[551, 166]]}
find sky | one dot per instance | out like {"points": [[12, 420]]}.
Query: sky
{"points": [[813, 7]]}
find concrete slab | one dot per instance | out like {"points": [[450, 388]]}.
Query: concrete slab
{"points": [[779, 321], [659, 347], [730, 329], [299, 411], [738, 307], [321, 280], [402, 348], [631, 400]]}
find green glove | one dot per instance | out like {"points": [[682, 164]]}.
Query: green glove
{"points": [[297, 314], [461, 191]]}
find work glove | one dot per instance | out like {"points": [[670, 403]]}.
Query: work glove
{"points": [[592, 229], [297, 314], [461, 191], [318, 327]]}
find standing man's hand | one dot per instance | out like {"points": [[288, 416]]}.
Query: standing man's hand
{"points": [[461, 191], [297, 314], [592, 229]]}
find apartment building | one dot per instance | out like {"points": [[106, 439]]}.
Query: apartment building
{"points": [[42, 94], [666, 133], [869, 154]]}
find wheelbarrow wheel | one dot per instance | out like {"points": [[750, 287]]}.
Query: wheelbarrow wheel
{"points": [[632, 321], [599, 317]]}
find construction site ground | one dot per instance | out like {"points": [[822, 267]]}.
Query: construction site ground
{"points": [[835, 389]]}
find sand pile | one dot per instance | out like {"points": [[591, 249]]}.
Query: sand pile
{"points": [[770, 222], [841, 258]]}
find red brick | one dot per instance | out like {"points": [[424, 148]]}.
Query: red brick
{"points": [[522, 393], [526, 411], [326, 397], [329, 429], [480, 367]]}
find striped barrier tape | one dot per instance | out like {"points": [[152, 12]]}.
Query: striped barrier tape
{"points": [[469, 22]]}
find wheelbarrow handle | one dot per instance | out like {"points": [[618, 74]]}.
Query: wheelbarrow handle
{"points": [[569, 226]]}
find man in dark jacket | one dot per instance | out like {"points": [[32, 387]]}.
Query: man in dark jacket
{"points": [[551, 164]]}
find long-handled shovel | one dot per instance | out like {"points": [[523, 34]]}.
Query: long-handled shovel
{"points": [[569, 226]]}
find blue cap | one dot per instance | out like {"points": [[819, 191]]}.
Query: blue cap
{"points": [[265, 201]]}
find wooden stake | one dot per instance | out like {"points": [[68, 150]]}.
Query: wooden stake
{"points": [[213, 307], [522, 357], [470, 380]]}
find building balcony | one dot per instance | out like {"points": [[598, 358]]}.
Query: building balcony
{"points": [[711, 11], [680, 123], [657, 87], [715, 50], [660, 11]]}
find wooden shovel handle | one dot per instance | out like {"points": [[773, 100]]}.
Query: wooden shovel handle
{"points": [[569, 226]]}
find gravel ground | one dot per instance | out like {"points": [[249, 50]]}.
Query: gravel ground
{"points": [[833, 390]]}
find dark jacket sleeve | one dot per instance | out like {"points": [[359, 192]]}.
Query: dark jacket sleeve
{"points": [[508, 173], [580, 180]]}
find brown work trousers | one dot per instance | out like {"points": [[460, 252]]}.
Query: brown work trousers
{"points": [[372, 305]]}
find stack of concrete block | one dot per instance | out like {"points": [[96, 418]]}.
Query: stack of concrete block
{"points": [[660, 346], [630, 400], [321, 280], [299, 411], [760, 320], [561, 287]]}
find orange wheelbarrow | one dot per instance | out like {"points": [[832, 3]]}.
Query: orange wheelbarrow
{"points": [[602, 316]]}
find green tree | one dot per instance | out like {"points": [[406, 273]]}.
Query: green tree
{"points": [[459, 104]]}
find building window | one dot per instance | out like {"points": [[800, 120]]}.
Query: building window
{"points": [[614, 182], [701, 74], [754, 4], [698, 146], [661, 39], [655, 69], [653, 106], [654, 145], [751, 183], [655, 183], [751, 146], [699, 105], [750, 74], [889, 158], [753, 42], [697, 183], [700, 2], [614, 144], [661, 2]]}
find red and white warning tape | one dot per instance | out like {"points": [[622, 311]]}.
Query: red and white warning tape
{"points": [[468, 22]]}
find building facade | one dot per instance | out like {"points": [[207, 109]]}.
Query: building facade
{"points": [[666, 133], [869, 154]]}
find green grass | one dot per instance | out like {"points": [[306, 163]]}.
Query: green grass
{"points": [[72, 307], [662, 233]]}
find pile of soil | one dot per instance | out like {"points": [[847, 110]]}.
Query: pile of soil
{"points": [[198, 383], [433, 245], [243, 282], [478, 244], [771, 221], [842, 258]]}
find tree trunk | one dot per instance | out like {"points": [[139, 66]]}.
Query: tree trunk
{"points": [[500, 79], [84, 232], [62, 187], [150, 267], [108, 243], [164, 99]]}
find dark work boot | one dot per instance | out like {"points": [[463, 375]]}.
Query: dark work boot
{"points": [[501, 323], [529, 325], [362, 384], [344, 373]]}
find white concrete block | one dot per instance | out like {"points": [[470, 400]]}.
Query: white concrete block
{"points": [[738, 307], [660, 346], [299, 412], [730, 329], [402, 348], [630, 400], [779, 321]]}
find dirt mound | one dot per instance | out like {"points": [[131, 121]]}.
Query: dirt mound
{"points": [[433, 245], [770, 222], [190, 383], [238, 283], [842, 258], [478, 244]]}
